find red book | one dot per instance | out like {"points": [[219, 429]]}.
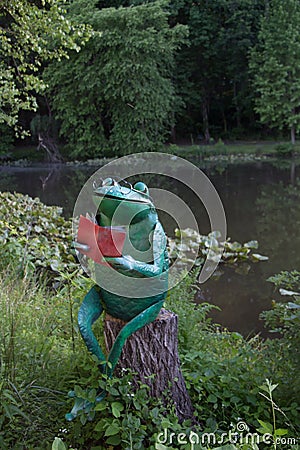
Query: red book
{"points": [[100, 241]]}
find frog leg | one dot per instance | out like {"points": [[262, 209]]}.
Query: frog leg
{"points": [[145, 317], [89, 312]]}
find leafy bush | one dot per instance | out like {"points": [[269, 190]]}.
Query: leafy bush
{"points": [[285, 315], [284, 318], [7, 139], [284, 150], [220, 147], [188, 245], [34, 236], [222, 369], [287, 280]]}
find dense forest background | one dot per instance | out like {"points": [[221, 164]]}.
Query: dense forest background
{"points": [[117, 76]]}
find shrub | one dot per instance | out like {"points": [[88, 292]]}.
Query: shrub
{"points": [[33, 236], [284, 318], [284, 150], [7, 139]]}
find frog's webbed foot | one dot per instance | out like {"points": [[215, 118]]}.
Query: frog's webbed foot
{"points": [[145, 317], [84, 404]]}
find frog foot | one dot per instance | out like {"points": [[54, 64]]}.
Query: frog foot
{"points": [[82, 404]]}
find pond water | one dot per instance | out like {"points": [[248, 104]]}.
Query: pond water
{"points": [[260, 201]]}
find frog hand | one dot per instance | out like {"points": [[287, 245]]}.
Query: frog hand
{"points": [[131, 267], [124, 264]]}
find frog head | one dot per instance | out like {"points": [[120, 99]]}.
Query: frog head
{"points": [[122, 202]]}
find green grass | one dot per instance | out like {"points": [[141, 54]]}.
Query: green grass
{"points": [[28, 152], [35, 362], [256, 148]]}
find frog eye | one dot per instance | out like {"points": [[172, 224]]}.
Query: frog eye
{"points": [[108, 182], [141, 187]]}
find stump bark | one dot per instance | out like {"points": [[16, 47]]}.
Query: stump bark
{"points": [[154, 350]]}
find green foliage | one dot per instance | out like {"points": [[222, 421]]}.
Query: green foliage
{"points": [[43, 125], [188, 245], [116, 94], [284, 150], [127, 417], [35, 362], [224, 372], [267, 427], [286, 280], [126, 91], [275, 66], [58, 444], [6, 139], [212, 70], [34, 236], [30, 35], [284, 318]]}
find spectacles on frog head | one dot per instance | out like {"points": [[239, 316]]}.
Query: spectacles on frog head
{"points": [[139, 187]]}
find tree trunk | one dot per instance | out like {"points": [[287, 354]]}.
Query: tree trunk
{"points": [[173, 134], [293, 173], [153, 350], [51, 148], [293, 135], [205, 120], [225, 128]]}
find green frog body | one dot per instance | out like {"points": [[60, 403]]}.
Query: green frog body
{"points": [[136, 283]]}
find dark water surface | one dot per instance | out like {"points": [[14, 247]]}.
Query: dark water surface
{"points": [[260, 202]]}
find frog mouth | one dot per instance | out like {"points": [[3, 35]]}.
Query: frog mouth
{"points": [[122, 199]]}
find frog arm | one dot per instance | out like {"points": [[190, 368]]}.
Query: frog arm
{"points": [[159, 242], [129, 266]]}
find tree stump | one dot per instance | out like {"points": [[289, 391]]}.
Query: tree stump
{"points": [[154, 350]]}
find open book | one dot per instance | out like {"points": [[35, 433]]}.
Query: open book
{"points": [[96, 242]]}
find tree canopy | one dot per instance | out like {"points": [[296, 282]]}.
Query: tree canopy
{"points": [[151, 72], [31, 33], [116, 94], [213, 75], [275, 62]]}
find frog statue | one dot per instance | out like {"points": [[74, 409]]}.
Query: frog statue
{"points": [[136, 282]]}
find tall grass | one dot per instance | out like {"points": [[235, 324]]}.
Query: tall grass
{"points": [[37, 360]]}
